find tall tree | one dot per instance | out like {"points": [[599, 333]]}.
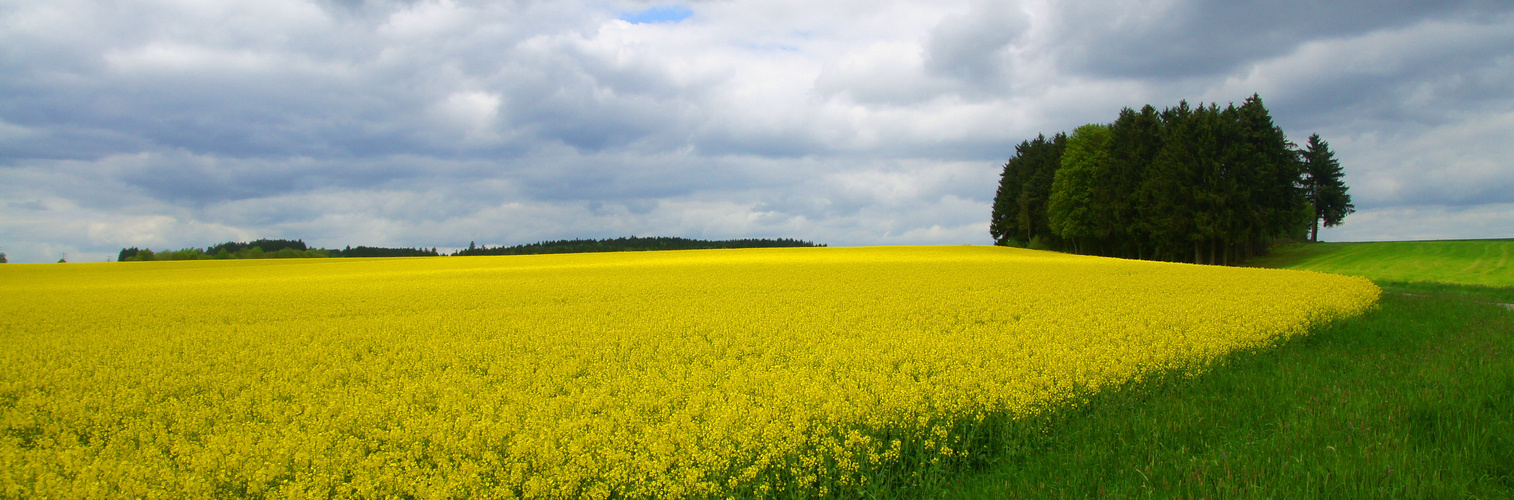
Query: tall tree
{"points": [[1324, 187], [1041, 171], [1019, 215], [1278, 196], [1166, 201], [1211, 191], [1074, 211], [1134, 140], [1004, 225], [1241, 184]]}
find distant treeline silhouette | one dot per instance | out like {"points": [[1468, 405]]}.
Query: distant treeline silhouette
{"points": [[295, 249], [631, 244], [268, 249], [361, 251]]}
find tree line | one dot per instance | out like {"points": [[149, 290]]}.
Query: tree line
{"points": [[290, 249], [627, 244], [267, 249], [1192, 184]]}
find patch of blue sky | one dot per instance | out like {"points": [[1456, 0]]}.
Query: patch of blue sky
{"points": [[663, 14]]}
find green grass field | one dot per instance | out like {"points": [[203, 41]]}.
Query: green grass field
{"points": [[1414, 399], [1471, 262]]}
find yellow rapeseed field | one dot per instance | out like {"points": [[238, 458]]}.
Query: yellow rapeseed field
{"points": [[763, 372]]}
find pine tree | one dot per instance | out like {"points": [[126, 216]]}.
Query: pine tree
{"points": [[1134, 140], [1324, 186], [1277, 171], [1019, 214], [1004, 224], [1166, 201]]}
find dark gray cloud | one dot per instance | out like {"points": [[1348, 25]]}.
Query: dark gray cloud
{"points": [[439, 122], [1428, 76], [1190, 38], [972, 46]]}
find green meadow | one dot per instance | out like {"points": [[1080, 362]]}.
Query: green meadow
{"points": [[1470, 262], [1414, 399]]}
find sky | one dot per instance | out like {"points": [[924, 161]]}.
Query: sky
{"points": [[435, 123]]}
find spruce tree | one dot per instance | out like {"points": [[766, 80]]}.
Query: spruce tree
{"points": [[1326, 190], [1004, 225], [1277, 170], [1166, 201], [1025, 186], [1135, 138]]}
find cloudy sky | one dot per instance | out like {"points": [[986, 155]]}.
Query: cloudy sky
{"points": [[177, 123]]}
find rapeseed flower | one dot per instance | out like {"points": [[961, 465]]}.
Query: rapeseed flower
{"points": [[760, 372]]}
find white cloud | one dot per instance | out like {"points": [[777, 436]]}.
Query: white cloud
{"points": [[1425, 222], [468, 118], [881, 73]]}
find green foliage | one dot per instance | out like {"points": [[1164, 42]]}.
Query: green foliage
{"points": [[233, 247], [1326, 191], [1073, 210], [362, 251], [296, 249], [1024, 188], [1198, 184], [629, 244], [2, 258], [1166, 201], [268, 249], [1135, 139], [1410, 400], [222, 252]]}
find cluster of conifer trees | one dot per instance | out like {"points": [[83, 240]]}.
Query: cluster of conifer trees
{"points": [[364, 251], [1193, 184], [633, 243]]}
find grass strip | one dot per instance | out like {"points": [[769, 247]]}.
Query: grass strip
{"points": [[1489, 263], [1413, 399]]}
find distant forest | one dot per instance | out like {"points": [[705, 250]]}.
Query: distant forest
{"points": [[292, 249], [1193, 184], [631, 244], [267, 249]]}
